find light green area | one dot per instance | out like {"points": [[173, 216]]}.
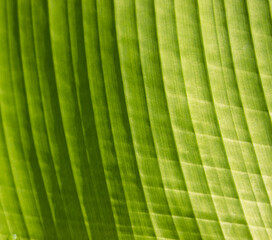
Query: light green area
{"points": [[135, 119]]}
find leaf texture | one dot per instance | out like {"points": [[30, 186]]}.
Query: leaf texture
{"points": [[135, 119]]}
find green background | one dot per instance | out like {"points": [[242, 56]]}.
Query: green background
{"points": [[135, 119]]}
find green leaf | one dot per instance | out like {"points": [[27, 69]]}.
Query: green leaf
{"points": [[135, 119]]}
